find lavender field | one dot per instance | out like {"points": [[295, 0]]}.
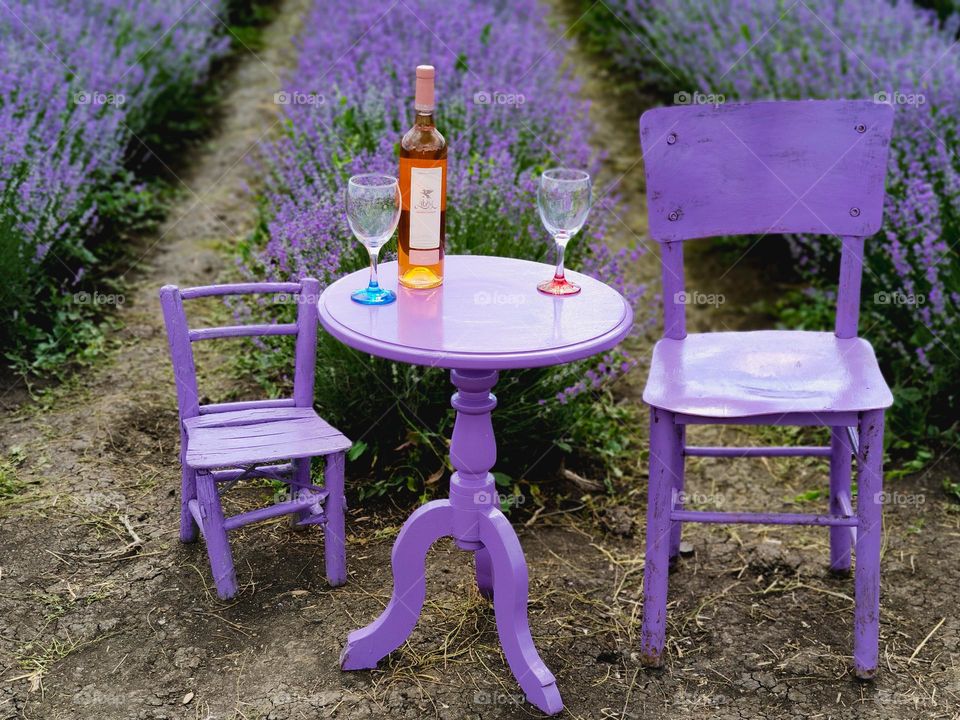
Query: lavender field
{"points": [[81, 82], [197, 142]]}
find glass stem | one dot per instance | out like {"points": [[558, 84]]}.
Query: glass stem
{"points": [[561, 239], [374, 255]]}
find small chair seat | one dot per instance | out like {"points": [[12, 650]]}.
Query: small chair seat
{"points": [[240, 438], [739, 374]]}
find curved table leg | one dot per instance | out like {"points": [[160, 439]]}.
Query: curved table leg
{"points": [[472, 517], [366, 646], [510, 607]]}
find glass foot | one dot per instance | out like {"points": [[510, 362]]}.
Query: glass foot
{"points": [[558, 286], [373, 295]]}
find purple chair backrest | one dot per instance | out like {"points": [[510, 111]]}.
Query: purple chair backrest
{"points": [[815, 166], [181, 339]]}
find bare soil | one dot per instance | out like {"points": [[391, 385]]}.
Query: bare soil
{"points": [[104, 614]]}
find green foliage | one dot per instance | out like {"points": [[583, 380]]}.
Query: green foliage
{"points": [[58, 323], [943, 8], [247, 21], [597, 29], [952, 488]]}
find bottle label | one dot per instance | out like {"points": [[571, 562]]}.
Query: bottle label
{"points": [[424, 197]]}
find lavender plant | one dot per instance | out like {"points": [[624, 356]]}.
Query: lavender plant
{"points": [[889, 51], [79, 81], [508, 109]]}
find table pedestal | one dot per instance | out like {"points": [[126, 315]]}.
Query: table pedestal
{"points": [[472, 517]]}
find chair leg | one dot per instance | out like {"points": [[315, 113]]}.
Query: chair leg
{"points": [[188, 491], [664, 443], [866, 621], [334, 531], [841, 455], [676, 528], [215, 535]]}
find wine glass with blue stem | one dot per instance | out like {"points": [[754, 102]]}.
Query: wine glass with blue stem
{"points": [[373, 212]]}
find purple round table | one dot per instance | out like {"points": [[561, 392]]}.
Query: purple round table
{"points": [[486, 317]]}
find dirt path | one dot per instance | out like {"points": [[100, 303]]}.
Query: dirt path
{"points": [[92, 626]]}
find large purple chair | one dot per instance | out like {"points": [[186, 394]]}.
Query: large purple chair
{"points": [[226, 442], [815, 167]]}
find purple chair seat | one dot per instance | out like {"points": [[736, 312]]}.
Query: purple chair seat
{"points": [[740, 374], [246, 437]]}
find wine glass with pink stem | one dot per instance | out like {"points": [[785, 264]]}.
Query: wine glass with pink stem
{"points": [[563, 198]]}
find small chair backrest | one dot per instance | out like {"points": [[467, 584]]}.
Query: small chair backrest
{"points": [[181, 338], [813, 167]]}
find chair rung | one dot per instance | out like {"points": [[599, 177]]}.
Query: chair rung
{"points": [[709, 516], [843, 499], [273, 472], [272, 511], [737, 452], [854, 440], [230, 331], [318, 519], [214, 408], [798, 419], [195, 511], [239, 289]]}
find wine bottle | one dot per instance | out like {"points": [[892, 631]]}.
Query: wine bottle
{"points": [[423, 190]]}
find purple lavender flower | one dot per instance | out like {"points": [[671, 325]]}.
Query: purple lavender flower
{"points": [[78, 79]]}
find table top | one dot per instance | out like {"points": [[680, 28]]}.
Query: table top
{"points": [[487, 315]]}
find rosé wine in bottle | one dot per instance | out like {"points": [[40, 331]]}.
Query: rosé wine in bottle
{"points": [[423, 191]]}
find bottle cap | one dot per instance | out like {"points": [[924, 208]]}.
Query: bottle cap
{"points": [[424, 100]]}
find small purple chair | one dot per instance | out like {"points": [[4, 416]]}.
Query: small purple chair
{"points": [[223, 443], [814, 167]]}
